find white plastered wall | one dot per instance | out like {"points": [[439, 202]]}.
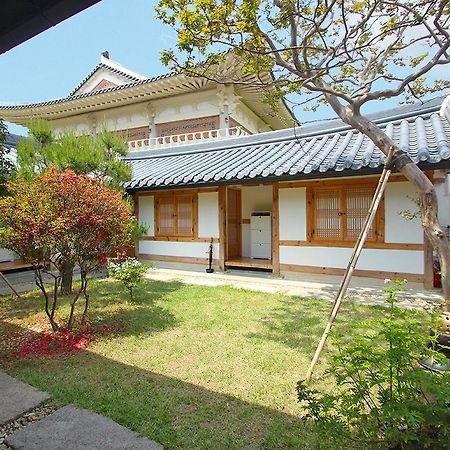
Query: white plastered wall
{"points": [[384, 260], [147, 213], [292, 214], [186, 106], [180, 249], [292, 211], [254, 198], [248, 119], [119, 118], [208, 215], [181, 107], [443, 194], [400, 197]]}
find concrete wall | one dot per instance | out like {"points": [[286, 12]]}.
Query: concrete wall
{"points": [[7, 255], [254, 198]]}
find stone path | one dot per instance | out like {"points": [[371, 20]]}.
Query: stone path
{"points": [[75, 428], [17, 398], [366, 291], [67, 428]]}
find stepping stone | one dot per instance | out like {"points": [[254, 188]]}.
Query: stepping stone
{"points": [[17, 398], [71, 428]]}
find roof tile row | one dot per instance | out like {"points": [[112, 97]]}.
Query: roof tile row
{"points": [[423, 133]]}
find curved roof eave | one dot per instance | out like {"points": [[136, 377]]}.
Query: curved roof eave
{"points": [[156, 87], [135, 92]]}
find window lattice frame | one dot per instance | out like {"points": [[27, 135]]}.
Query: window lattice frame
{"points": [[348, 205], [176, 214]]}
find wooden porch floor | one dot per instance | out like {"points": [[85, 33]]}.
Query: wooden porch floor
{"points": [[250, 263], [13, 265]]}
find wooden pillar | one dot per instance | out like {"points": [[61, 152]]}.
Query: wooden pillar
{"points": [[427, 264], [275, 231], [93, 125], [136, 214], [151, 121], [222, 226]]}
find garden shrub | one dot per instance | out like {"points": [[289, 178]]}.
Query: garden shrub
{"points": [[129, 271], [384, 398]]}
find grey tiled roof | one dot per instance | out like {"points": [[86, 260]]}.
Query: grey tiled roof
{"points": [[86, 94], [11, 140], [123, 74], [328, 150], [10, 145]]}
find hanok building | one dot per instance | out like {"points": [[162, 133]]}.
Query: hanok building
{"points": [[212, 163]]}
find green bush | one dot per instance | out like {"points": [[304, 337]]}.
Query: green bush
{"points": [[129, 271], [384, 399]]}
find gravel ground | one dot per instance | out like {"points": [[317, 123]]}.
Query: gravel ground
{"points": [[34, 415]]}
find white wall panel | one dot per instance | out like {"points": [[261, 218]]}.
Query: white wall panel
{"points": [[147, 213], [408, 261], [208, 214], [292, 206], [182, 249], [443, 194], [399, 197], [186, 106]]}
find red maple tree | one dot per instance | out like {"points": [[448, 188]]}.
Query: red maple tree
{"points": [[59, 217]]}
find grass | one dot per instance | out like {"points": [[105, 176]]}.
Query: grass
{"points": [[193, 367]]}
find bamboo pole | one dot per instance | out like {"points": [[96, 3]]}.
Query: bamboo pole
{"points": [[9, 284], [351, 266]]}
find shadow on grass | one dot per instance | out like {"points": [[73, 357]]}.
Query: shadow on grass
{"points": [[141, 315], [298, 323], [176, 413], [110, 304]]}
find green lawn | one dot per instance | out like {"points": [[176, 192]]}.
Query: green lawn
{"points": [[194, 366]]}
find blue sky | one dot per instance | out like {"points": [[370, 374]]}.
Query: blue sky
{"points": [[51, 64]]}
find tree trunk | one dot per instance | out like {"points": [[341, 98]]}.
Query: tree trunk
{"points": [[427, 201], [81, 291], [50, 314], [72, 311], [86, 299], [437, 237], [424, 188], [67, 277]]}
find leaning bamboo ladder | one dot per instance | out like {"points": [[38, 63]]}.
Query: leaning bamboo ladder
{"points": [[379, 191]]}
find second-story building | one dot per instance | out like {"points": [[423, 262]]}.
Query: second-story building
{"points": [[159, 111]]}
